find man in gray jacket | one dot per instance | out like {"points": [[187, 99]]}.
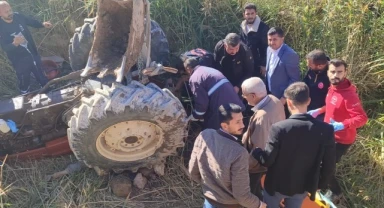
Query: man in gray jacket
{"points": [[267, 111], [220, 163]]}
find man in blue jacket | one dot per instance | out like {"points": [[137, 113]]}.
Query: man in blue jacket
{"points": [[16, 40], [282, 65]]}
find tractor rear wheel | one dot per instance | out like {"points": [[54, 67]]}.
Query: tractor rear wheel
{"points": [[81, 43], [127, 127]]}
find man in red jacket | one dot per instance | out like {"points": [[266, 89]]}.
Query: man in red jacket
{"points": [[343, 111]]}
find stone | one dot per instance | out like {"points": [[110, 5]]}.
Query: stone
{"points": [[121, 185], [140, 181], [146, 172]]}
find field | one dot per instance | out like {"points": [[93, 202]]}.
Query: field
{"points": [[348, 29]]}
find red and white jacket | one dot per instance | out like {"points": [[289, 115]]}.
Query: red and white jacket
{"points": [[342, 104]]}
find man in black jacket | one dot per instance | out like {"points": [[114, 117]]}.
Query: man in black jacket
{"points": [[234, 59], [300, 153], [317, 81], [16, 40], [253, 33]]}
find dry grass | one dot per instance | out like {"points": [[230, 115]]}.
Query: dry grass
{"points": [[23, 185]]}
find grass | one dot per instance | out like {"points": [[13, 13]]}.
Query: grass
{"points": [[348, 29], [23, 184]]}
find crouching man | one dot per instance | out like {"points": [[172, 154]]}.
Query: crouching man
{"points": [[220, 163]]}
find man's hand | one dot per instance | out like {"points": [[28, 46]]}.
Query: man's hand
{"points": [[283, 100], [263, 205], [314, 113], [337, 126], [18, 40], [47, 24], [263, 71], [237, 89]]}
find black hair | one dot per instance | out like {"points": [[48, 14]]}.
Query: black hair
{"points": [[232, 39], [250, 6], [338, 62], [276, 30], [298, 93], [226, 110], [318, 57], [191, 62]]}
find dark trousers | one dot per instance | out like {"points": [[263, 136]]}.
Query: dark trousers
{"points": [[24, 67], [255, 184], [341, 149]]}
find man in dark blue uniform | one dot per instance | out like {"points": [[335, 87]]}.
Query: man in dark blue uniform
{"points": [[210, 89], [16, 40]]}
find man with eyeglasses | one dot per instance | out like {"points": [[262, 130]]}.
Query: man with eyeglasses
{"points": [[267, 111]]}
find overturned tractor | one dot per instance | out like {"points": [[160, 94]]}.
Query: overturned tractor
{"points": [[114, 118]]}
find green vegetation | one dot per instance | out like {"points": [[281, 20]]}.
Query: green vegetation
{"points": [[348, 29]]}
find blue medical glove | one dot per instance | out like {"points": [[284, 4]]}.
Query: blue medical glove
{"points": [[12, 125], [314, 113], [337, 126]]}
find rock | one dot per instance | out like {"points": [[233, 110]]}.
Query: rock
{"points": [[140, 181], [146, 172], [121, 185], [100, 171], [159, 169]]}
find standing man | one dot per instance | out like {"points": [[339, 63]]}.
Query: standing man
{"points": [[16, 40], [254, 34], [282, 65], [300, 153], [210, 89], [234, 59], [267, 111], [317, 80], [220, 164], [344, 112]]}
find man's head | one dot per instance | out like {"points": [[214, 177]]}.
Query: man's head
{"points": [[190, 64], [317, 60], [232, 43], [254, 90], [250, 13], [231, 118], [6, 12], [297, 95], [275, 37], [337, 71]]}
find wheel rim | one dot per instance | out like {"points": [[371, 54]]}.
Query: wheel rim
{"points": [[129, 140]]}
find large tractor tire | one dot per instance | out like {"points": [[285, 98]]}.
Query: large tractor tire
{"points": [[81, 43], [127, 127]]}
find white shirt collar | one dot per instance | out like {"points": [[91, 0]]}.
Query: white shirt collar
{"points": [[228, 133], [258, 105]]}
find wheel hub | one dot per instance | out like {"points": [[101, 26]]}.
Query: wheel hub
{"points": [[130, 140]]}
